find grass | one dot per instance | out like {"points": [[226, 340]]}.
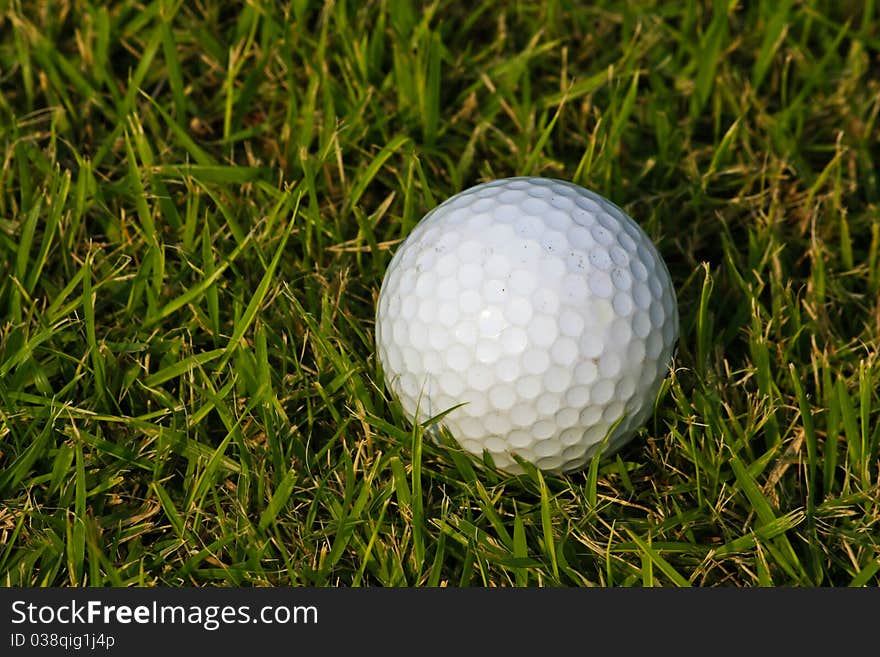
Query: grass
{"points": [[196, 209]]}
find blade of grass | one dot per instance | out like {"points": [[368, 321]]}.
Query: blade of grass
{"points": [[655, 558], [547, 525], [259, 295]]}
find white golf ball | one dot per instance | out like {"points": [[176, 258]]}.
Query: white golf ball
{"points": [[539, 312]]}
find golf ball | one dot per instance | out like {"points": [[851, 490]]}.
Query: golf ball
{"points": [[539, 312]]}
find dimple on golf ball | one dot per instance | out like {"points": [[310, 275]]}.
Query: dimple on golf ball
{"points": [[538, 311]]}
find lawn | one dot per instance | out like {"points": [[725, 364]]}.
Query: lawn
{"points": [[197, 206]]}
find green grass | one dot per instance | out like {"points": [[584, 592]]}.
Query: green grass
{"points": [[196, 209]]}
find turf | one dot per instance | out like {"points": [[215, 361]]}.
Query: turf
{"points": [[196, 209]]}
